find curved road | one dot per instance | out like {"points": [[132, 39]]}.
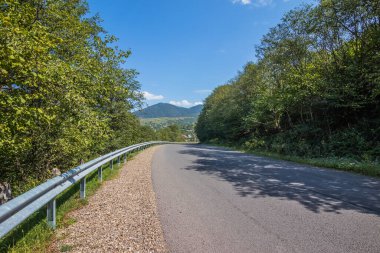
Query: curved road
{"points": [[217, 200]]}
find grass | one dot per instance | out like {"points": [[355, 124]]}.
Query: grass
{"points": [[33, 235], [339, 163], [66, 248]]}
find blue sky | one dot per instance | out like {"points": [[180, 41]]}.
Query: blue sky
{"points": [[183, 49]]}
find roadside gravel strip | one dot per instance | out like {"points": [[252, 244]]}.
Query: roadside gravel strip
{"points": [[121, 216]]}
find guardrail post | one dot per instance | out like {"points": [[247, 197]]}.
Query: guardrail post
{"points": [[83, 188], [111, 164], [51, 213], [118, 160], [125, 157], [100, 173]]}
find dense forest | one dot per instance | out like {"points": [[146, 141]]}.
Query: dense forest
{"points": [[314, 90], [64, 95]]}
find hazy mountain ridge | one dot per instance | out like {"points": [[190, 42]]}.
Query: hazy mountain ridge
{"points": [[166, 110]]}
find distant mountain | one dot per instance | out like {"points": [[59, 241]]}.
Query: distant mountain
{"points": [[161, 110], [196, 110]]}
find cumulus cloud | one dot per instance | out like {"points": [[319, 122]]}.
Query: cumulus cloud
{"points": [[150, 96], [185, 103]]}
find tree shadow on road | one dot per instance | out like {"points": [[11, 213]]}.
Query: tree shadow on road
{"points": [[317, 189]]}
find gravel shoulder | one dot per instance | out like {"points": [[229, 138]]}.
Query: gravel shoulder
{"points": [[121, 216]]}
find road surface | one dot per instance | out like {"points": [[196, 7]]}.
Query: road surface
{"points": [[216, 200]]}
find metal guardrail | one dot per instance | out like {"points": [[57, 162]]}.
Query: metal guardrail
{"points": [[20, 208]]}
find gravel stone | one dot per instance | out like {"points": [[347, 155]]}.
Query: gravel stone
{"points": [[120, 217]]}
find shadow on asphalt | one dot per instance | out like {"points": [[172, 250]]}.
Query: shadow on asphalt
{"points": [[318, 190]]}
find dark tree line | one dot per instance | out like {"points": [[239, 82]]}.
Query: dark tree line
{"points": [[314, 90]]}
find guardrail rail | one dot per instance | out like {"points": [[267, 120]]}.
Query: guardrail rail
{"points": [[20, 208]]}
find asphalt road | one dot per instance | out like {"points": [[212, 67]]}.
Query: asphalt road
{"points": [[216, 200]]}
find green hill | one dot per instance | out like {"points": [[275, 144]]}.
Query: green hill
{"points": [[166, 110]]}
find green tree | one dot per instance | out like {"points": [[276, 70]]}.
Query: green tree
{"points": [[64, 95], [314, 90]]}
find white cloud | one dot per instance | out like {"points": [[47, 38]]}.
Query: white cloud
{"points": [[244, 2], [185, 103], [257, 3], [150, 96], [203, 91]]}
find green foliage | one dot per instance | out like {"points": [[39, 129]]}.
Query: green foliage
{"points": [[186, 125], [158, 123], [314, 91], [64, 95], [171, 133]]}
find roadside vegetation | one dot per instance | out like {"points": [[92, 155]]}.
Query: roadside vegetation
{"points": [[34, 235], [64, 95], [184, 124], [158, 123], [312, 96]]}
